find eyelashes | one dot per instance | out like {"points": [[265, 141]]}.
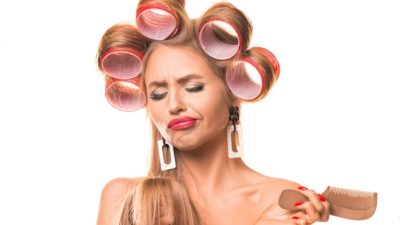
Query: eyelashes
{"points": [[197, 88], [157, 96]]}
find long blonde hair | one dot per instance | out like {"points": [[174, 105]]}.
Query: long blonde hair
{"points": [[159, 201]]}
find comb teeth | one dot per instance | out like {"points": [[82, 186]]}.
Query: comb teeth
{"points": [[350, 199], [351, 192]]}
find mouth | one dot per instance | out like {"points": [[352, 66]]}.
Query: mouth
{"points": [[181, 123]]}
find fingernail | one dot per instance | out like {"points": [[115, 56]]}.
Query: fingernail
{"points": [[321, 197], [295, 217], [298, 203], [302, 188]]}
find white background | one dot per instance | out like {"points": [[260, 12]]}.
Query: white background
{"points": [[331, 119]]}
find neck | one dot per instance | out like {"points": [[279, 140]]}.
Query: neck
{"points": [[208, 168]]}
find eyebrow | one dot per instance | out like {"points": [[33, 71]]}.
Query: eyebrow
{"points": [[181, 80]]}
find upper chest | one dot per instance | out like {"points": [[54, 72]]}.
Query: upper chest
{"points": [[241, 207]]}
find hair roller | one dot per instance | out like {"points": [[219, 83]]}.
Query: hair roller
{"points": [[160, 19], [121, 52], [272, 59], [252, 76], [223, 31], [125, 95]]}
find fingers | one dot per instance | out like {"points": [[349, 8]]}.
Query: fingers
{"points": [[316, 209], [299, 218], [311, 214], [314, 198], [325, 213]]}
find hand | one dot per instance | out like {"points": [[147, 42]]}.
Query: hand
{"points": [[308, 212], [311, 211]]}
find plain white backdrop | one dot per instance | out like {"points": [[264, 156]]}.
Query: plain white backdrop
{"points": [[331, 119]]}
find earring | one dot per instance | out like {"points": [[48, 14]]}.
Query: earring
{"points": [[234, 133], [164, 146]]}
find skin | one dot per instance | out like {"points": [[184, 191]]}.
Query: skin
{"points": [[225, 191], [182, 99]]}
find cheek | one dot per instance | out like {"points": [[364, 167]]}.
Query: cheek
{"points": [[212, 106], [155, 113]]}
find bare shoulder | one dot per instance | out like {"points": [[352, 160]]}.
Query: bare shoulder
{"points": [[112, 198], [272, 189], [119, 186], [274, 186]]}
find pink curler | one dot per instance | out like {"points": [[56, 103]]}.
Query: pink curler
{"points": [[272, 59], [219, 39], [156, 21], [122, 63], [251, 77], [125, 95], [246, 79]]}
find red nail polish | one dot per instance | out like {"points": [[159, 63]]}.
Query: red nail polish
{"points": [[298, 203], [302, 188], [321, 197], [295, 217]]}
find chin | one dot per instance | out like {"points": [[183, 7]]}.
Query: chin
{"points": [[185, 148], [193, 141]]}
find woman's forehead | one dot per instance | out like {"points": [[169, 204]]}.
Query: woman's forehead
{"points": [[176, 63]]}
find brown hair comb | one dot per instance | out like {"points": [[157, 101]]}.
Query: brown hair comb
{"points": [[345, 203]]}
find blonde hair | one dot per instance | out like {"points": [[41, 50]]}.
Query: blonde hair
{"points": [[160, 201], [163, 192]]}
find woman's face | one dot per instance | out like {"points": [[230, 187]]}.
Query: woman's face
{"points": [[180, 84]]}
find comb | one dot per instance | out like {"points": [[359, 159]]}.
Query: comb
{"points": [[344, 203]]}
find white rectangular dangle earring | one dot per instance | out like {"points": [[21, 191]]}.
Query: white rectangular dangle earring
{"points": [[235, 149], [164, 146]]}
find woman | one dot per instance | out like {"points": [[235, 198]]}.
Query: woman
{"points": [[194, 113]]}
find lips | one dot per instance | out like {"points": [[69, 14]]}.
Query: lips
{"points": [[182, 122]]}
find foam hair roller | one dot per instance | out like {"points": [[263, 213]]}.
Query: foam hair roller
{"points": [[272, 59], [252, 76], [159, 20], [121, 52], [125, 95], [223, 31], [123, 63]]}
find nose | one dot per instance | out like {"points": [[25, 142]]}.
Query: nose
{"points": [[175, 102]]}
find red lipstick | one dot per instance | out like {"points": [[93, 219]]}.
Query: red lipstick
{"points": [[181, 123]]}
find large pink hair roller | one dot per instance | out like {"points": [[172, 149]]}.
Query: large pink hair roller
{"points": [[121, 52], [122, 63], [223, 31], [125, 95], [160, 19], [272, 59], [252, 76]]}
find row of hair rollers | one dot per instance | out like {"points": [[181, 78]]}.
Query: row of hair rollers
{"points": [[122, 49], [224, 32]]}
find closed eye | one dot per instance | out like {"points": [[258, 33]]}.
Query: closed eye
{"points": [[195, 89], [156, 97]]}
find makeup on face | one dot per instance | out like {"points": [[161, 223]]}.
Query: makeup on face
{"points": [[194, 87], [187, 100], [181, 123]]}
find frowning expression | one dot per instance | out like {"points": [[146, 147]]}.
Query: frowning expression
{"points": [[183, 91]]}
